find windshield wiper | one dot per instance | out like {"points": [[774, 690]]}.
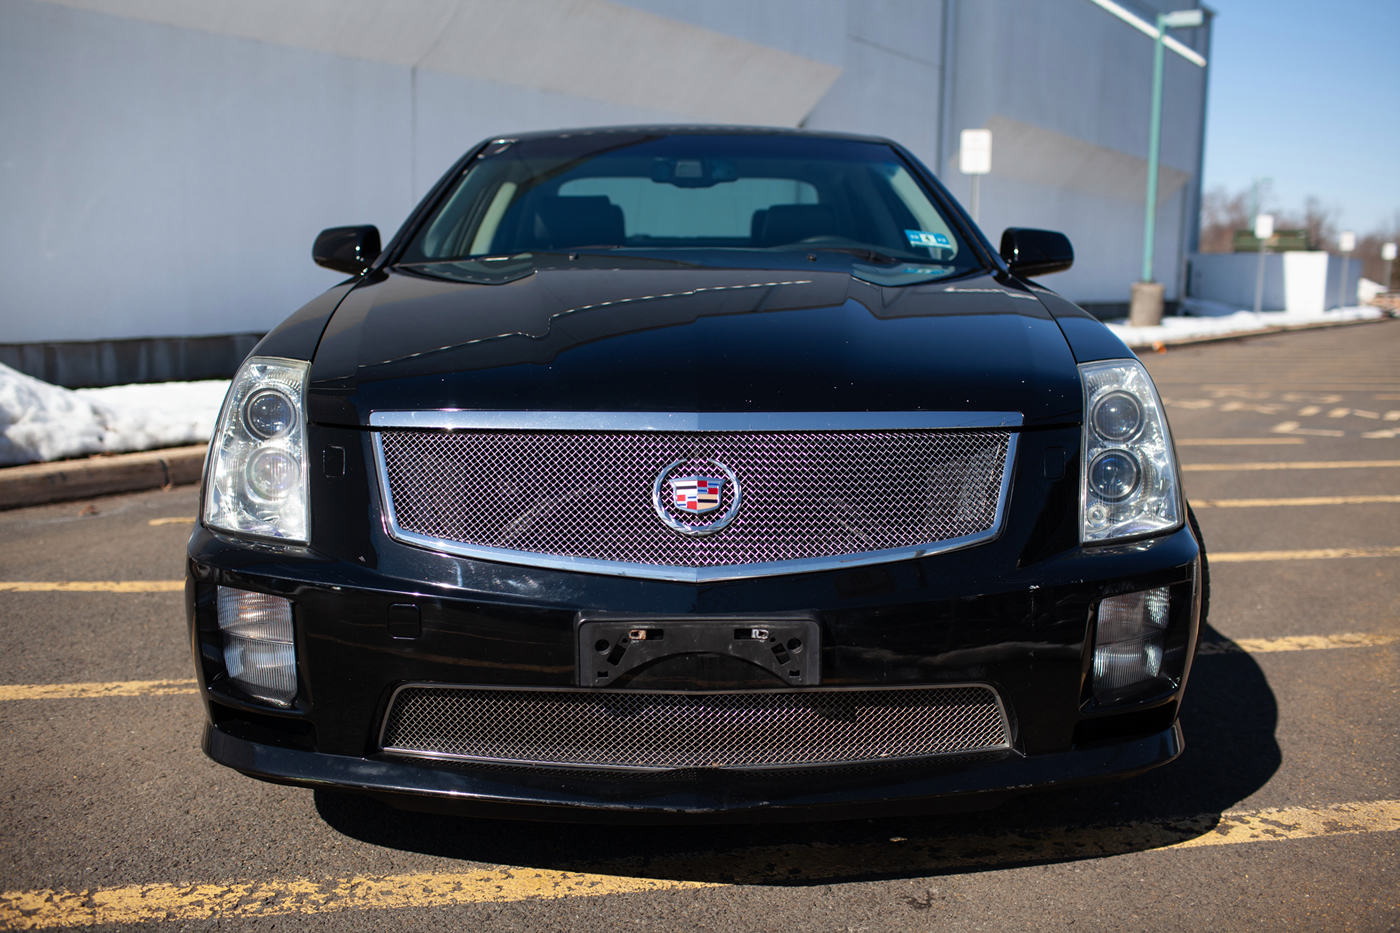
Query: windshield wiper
{"points": [[861, 252]]}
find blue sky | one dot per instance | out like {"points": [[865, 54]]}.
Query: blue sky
{"points": [[1306, 92]]}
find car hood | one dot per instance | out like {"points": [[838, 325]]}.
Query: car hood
{"points": [[618, 335]]}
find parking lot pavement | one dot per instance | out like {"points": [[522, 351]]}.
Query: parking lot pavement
{"points": [[1284, 811]]}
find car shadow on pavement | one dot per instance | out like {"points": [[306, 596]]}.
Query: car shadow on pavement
{"points": [[1229, 718]]}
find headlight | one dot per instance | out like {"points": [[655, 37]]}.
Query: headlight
{"points": [[257, 480], [1127, 476]]}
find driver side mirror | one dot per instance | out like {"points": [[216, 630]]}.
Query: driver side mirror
{"points": [[347, 249], [1032, 252]]}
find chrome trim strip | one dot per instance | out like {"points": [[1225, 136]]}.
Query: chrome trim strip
{"points": [[461, 419], [687, 574], [872, 688]]}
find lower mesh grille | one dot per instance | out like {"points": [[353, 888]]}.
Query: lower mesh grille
{"points": [[622, 729]]}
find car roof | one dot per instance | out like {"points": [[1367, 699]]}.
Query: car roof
{"points": [[688, 129]]}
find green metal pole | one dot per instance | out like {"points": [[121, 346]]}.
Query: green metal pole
{"points": [[1152, 145]]}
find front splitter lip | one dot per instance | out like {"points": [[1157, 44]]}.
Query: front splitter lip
{"points": [[419, 788]]}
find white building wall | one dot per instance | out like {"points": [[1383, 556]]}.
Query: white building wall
{"points": [[1305, 282], [890, 85], [161, 181], [166, 164], [1079, 74]]}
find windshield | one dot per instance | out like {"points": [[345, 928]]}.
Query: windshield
{"points": [[632, 191]]}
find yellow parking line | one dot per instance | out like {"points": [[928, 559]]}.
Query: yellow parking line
{"points": [[1237, 441], [92, 586], [1326, 553], [1301, 500], [182, 520], [53, 908], [1291, 465], [46, 909], [1296, 643], [85, 691]]}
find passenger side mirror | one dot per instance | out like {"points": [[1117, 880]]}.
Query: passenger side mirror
{"points": [[1036, 252], [347, 249]]}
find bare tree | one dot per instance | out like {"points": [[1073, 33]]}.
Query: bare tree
{"points": [[1222, 213], [1368, 250], [1319, 220]]}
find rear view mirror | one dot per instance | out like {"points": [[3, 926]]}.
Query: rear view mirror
{"points": [[347, 249], [1036, 252]]}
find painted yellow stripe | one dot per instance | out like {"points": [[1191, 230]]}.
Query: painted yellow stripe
{"points": [[181, 520], [54, 908], [117, 688], [1297, 643], [1300, 500], [1300, 823], [92, 586], [1326, 553], [47, 909], [1291, 465], [1237, 441]]}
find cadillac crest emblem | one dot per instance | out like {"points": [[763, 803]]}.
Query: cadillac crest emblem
{"points": [[688, 489]]}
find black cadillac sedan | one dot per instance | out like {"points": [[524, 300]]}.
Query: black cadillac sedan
{"points": [[678, 473]]}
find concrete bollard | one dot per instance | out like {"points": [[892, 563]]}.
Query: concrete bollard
{"points": [[1145, 309]]}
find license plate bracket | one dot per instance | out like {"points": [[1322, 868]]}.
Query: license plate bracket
{"points": [[611, 645]]}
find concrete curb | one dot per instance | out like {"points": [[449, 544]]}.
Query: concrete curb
{"points": [[1245, 334], [65, 480]]}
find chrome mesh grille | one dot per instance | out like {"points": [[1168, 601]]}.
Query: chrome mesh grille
{"points": [[589, 494], [622, 729]]}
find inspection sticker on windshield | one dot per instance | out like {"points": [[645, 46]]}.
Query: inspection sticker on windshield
{"points": [[924, 238]]}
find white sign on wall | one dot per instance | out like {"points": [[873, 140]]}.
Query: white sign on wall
{"points": [[976, 155]]}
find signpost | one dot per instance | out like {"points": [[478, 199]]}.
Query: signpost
{"points": [[1263, 230], [1348, 243], [1388, 254], [975, 159]]}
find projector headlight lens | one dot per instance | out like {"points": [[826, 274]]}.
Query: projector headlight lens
{"points": [[1117, 416], [1128, 483], [256, 482], [273, 474], [1114, 475], [268, 414]]}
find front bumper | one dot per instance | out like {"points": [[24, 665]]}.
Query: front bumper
{"points": [[558, 796], [1015, 614]]}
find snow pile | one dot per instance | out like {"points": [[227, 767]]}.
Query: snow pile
{"points": [[1213, 319], [39, 421], [1366, 291]]}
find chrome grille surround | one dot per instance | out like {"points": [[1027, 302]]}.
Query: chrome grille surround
{"points": [[664, 731], [822, 490]]}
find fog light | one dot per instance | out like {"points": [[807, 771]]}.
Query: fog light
{"points": [[258, 651], [1128, 640]]}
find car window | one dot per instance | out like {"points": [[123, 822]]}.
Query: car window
{"points": [[701, 191], [653, 211]]}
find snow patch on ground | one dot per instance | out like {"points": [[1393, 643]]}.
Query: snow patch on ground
{"points": [[39, 421], [1213, 319]]}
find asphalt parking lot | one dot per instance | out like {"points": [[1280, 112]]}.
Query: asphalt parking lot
{"points": [[1283, 812]]}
